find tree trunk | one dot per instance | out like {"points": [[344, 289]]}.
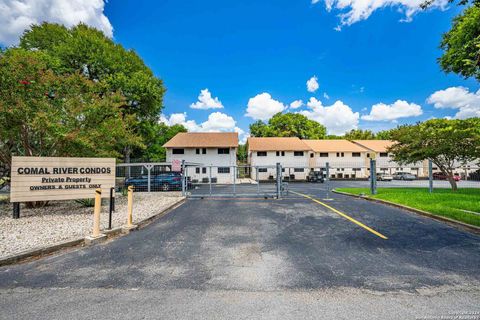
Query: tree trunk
{"points": [[452, 181]]}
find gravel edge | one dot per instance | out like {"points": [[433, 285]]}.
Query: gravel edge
{"points": [[116, 232]]}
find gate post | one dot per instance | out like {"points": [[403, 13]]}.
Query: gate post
{"points": [[279, 180], [210, 179], [373, 176], [327, 180], [258, 181], [234, 180], [149, 168], [430, 176], [183, 178]]}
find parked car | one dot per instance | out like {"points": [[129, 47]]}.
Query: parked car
{"points": [[315, 176], [384, 177], [475, 176], [404, 176], [161, 182], [443, 176]]}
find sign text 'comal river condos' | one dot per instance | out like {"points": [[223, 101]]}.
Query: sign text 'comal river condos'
{"points": [[49, 178]]}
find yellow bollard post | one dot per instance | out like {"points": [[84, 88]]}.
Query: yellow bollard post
{"points": [[96, 235], [96, 213], [130, 207], [129, 225]]}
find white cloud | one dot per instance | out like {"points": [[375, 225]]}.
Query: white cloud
{"points": [[467, 103], [312, 84], [337, 118], [263, 107], [353, 11], [205, 101], [242, 135], [296, 104], [326, 96], [181, 118], [16, 16], [217, 121], [388, 112]]}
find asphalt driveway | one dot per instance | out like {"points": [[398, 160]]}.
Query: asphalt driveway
{"points": [[263, 249]]}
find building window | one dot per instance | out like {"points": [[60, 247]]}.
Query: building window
{"points": [[223, 150], [283, 169], [340, 154], [298, 153], [278, 153], [178, 151], [383, 154], [298, 170], [197, 151], [283, 153], [204, 151], [323, 154], [204, 170], [312, 155], [223, 170], [357, 169], [197, 170], [368, 155], [261, 153], [355, 154], [262, 169]]}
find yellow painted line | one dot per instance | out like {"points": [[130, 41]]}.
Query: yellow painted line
{"points": [[378, 234]]}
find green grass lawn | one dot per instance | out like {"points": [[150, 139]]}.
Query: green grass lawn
{"points": [[442, 202]]}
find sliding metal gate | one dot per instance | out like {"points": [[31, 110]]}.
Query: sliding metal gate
{"points": [[201, 181]]}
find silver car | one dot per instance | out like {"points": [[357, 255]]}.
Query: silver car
{"points": [[404, 176], [384, 177]]}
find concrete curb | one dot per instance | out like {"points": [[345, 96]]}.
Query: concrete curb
{"points": [[37, 253], [29, 254], [449, 221]]}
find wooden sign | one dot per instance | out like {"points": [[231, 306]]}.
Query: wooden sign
{"points": [[47, 178]]}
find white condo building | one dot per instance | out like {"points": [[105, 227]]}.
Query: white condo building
{"points": [[265, 153], [215, 151]]}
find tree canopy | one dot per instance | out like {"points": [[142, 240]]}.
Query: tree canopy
{"points": [[445, 142], [159, 135], [87, 51], [46, 114], [461, 45], [288, 125], [359, 134]]}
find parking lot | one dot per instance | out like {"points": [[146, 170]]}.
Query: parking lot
{"points": [[259, 257]]}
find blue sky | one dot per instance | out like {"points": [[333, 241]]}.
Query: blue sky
{"points": [[267, 50]]}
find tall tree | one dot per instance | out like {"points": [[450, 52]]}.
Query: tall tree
{"points": [[85, 50], [445, 142], [384, 135], [160, 134], [288, 125], [461, 45], [359, 134], [242, 153], [46, 114]]}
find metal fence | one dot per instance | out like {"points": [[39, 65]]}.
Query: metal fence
{"points": [[198, 180], [232, 181], [147, 177]]}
